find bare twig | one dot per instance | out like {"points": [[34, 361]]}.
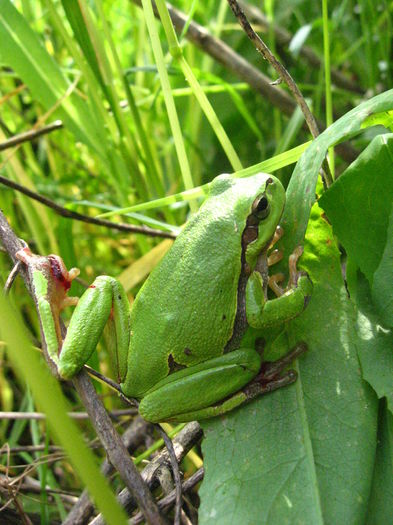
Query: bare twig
{"points": [[30, 484], [30, 135], [73, 415], [262, 48], [114, 447], [30, 449], [168, 500], [183, 442], [132, 438], [283, 39], [175, 470], [161, 431], [64, 212]]}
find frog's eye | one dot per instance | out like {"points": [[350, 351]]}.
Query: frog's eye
{"points": [[261, 207]]}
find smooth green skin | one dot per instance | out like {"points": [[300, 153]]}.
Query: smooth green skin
{"points": [[185, 312]]}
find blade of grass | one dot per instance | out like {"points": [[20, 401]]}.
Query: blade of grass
{"points": [[152, 166], [92, 44], [202, 99], [269, 166], [110, 142], [31, 367], [169, 102]]}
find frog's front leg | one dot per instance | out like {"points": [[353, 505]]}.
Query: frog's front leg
{"points": [[105, 300], [262, 313]]}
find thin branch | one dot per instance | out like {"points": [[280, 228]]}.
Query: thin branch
{"points": [[73, 415], [30, 135], [262, 48], [175, 470], [114, 447], [283, 39], [161, 431], [170, 499], [189, 436], [284, 75], [68, 214], [132, 438], [110, 439]]}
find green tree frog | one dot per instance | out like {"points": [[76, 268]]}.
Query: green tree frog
{"points": [[179, 350]]}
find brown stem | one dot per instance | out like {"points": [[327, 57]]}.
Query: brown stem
{"points": [[283, 39], [262, 48], [30, 135], [115, 449], [132, 438], [183, 442], [284, 75], [68, 214], [170, 499]]}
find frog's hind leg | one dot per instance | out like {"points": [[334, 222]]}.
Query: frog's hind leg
{"points": [[269, 378], [271, 370]]}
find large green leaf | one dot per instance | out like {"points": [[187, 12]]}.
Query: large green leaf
{"points": [[381, 499], [304, 454], [301, 189], [359, 204], [359, 207], [375, 343], [382, 290]]}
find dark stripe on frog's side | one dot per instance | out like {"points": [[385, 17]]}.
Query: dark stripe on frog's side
{"points": [[240, 326]]}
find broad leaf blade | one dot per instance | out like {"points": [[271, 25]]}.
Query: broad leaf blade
{"points": [[375, 344], [381, 499], [382, 289], [359, 203], [301, 189]]}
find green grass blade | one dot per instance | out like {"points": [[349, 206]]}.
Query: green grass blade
{"points": [[328, 82], [269, 166], [166, 89], [201, 97], [21, 49], [31, 367]]}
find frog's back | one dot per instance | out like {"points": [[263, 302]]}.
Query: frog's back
{"points": [[184, 314]]}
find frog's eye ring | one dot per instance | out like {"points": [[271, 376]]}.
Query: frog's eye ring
{"points": [[261, 207]]}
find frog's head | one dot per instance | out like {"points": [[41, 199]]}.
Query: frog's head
{"points": [[264, 216]]}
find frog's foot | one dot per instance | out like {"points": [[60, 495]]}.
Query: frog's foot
{"points": [[274, 281], [59, 279], [275, 255], [294, 273], [277, 236], [271, 377]]}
